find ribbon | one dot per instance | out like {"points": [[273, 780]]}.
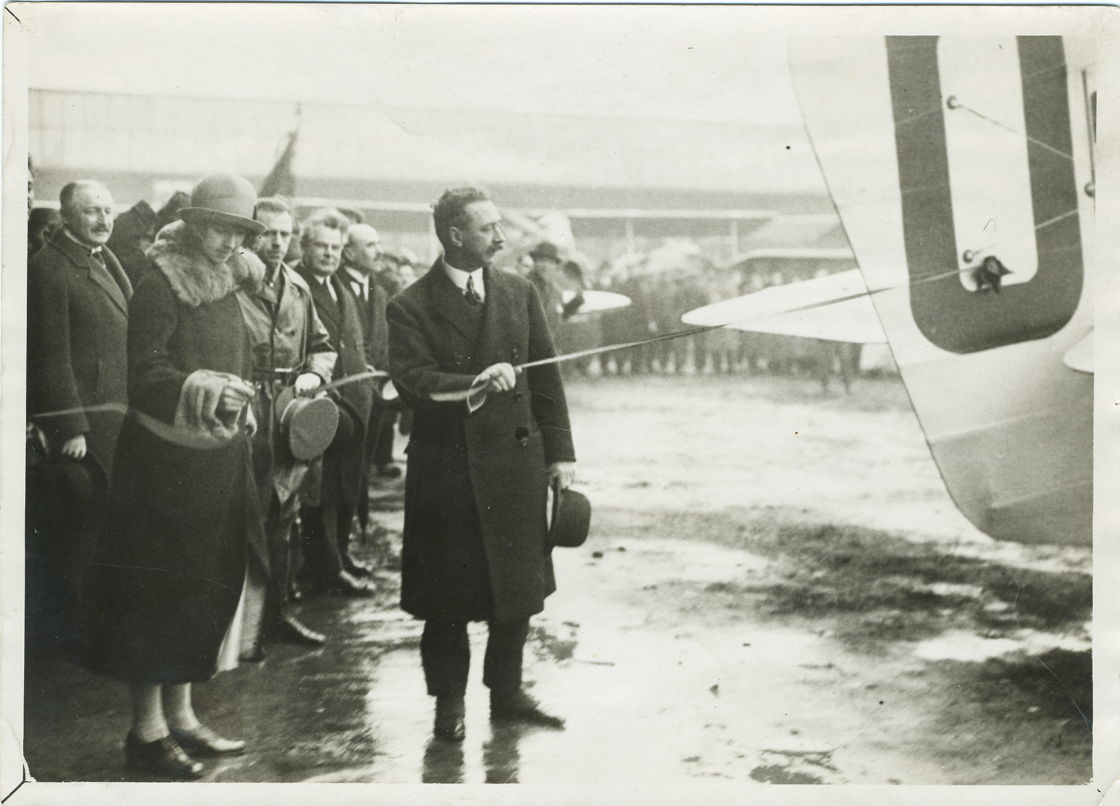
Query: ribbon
{"points": [[475, 394], [168, 433]]}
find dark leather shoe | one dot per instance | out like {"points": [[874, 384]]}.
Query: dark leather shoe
{"points": [[163, 757], [389, 471], [357, 569], [292, 631], [449, 719], [521, 707], [346, 585], [204, 742]]}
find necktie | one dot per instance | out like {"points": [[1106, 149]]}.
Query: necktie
{"points": [[472, 296]]}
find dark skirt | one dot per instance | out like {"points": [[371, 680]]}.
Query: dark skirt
{"points": [[166, 580]]}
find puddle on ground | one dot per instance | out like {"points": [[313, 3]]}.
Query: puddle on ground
{"points": [[959, 645]]}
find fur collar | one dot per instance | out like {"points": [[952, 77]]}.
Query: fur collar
{"points": [[194, 279]]}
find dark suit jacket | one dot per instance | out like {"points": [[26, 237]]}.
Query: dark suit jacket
{"points": [[375, 329], [77, 331], [474, 540], [343, 463]]}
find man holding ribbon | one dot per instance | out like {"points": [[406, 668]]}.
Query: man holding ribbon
{"points": [[290, 348], [327, 512], [475, 544]]}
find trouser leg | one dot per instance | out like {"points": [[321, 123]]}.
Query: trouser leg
{"points": [[505, 646], [445, 653], [278, 533], [320, 543], [344, 521], [383, 450]]}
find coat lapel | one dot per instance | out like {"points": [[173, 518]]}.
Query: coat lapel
{"points": [[117, 291], [327, 308], [447, 302], [122, 283]]}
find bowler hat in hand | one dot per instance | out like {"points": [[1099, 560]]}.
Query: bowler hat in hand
{"points": [[571, 517]]}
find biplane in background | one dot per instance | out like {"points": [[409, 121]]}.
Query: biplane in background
{"points": [[963, 172]]}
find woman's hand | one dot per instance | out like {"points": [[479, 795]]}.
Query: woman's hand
{"points": [[234, 397]]}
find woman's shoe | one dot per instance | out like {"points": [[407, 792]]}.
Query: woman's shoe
{"points": [[205, 742], [163, 757]]}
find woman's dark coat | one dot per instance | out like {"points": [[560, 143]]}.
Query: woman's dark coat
{"points": [[171, 564], [474, 531]]}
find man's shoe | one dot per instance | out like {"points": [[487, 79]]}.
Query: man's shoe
{"points": [[389, 471], [292, 631], [357, 569], [521, 707], [204, 742], [449, 719], [346, 585], [162, 757]]}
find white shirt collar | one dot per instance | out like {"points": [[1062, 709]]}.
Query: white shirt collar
{"points": [[357, 277], [93, 250], [459, 277]]}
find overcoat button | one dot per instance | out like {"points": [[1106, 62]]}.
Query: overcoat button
{"points": [[522, 436], [517, 395]]}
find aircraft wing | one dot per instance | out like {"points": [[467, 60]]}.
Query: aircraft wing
{"points": [[801, 309], [961, 170]]}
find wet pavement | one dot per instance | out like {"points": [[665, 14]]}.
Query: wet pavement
{"points": [[730, 620]]}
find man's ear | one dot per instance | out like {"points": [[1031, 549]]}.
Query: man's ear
{"points": [[456, 235]]}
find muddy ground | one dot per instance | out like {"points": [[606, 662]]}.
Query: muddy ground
{"points": [[777, 590]]}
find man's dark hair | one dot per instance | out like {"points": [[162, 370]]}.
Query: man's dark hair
{"points": [[449, 210]]}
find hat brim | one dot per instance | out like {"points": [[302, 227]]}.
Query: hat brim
{"points": [[204, 215]]}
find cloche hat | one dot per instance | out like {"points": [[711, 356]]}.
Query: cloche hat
{"points": [[227, 198]]}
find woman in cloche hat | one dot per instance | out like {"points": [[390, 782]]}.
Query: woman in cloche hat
{"points": [[183, 510]]}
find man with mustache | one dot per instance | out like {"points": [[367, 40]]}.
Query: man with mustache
{"points": [[77, 327], [475, 545], [290, 347], [328, 511]]}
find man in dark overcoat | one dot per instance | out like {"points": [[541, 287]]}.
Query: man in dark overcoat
{"points": [[328, 516], [76, 357], [361, 260], [475, 543]]}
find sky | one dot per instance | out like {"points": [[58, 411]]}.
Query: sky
{"points": [[713, 64]]}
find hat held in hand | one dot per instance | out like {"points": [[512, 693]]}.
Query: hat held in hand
{"points": [[571, 517], [308, 424]]}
